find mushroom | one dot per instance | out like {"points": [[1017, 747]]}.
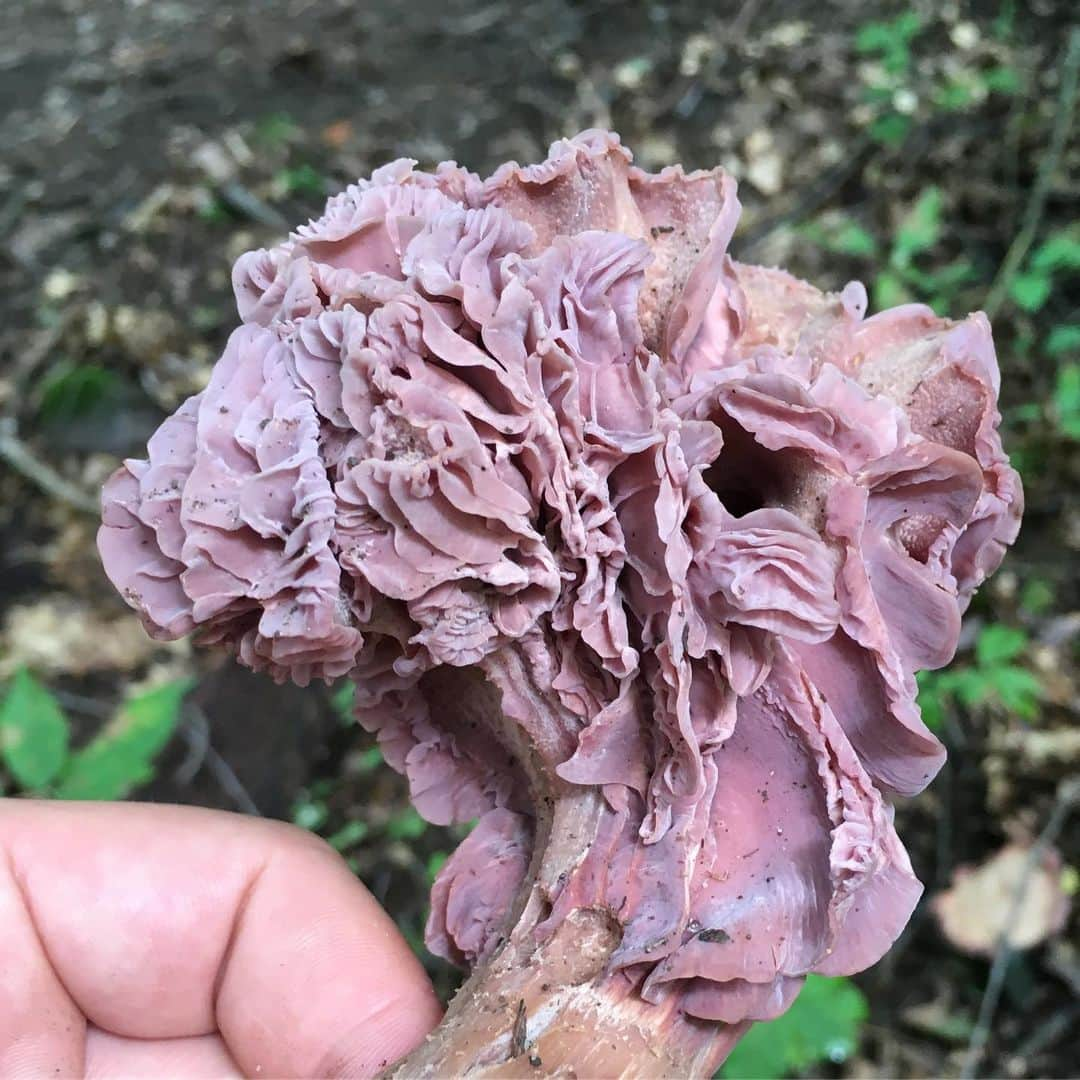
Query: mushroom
{"points": [[632, 552]]}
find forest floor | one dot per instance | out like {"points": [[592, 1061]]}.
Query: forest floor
{"points": [[927, 149]]}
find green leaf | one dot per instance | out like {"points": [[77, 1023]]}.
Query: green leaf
{"points": [[852, 239], [1037, 596], [1026, 413], [369, 760], [874, 37], [344, 701], [907, 26], [841, 235], [939, 287], [1002, 80], [950, 276], [436, 861], [1060, 252], [997, 644], [1005, 21], [301, 180], [309, 814], [71, 391], [211, 208], [121, 757], [932, 698], [958, 93], [891, 38], [878, 93], [823, 1025], [970, 685], [919, 229], [1018, 689], [1030, 290], [33, 732], [1067, 400], [1067, 390], [889, 291], [891, 129], [348, 836], [1063, 339], [406, 825], [275, 129]]}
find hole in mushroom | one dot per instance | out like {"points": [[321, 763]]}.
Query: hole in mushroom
{"points": [[748, 476]]}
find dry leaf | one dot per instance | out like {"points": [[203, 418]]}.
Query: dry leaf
{"points": [[974, 911]]}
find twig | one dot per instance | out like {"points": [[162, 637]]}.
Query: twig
{"points": [[41, 348], [22, 459], [220, 769], [88, 706], [195, 731], [250, 205], [11, 211], [1068, 796], [1036, 204], [1048, 1032]]}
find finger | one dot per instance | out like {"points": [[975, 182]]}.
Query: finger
{"points": [[135, 905], [42, 1031], [111, 1057], [166, 922], [318, 981]]}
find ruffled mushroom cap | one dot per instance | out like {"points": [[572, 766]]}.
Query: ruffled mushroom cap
{"points": [[535, 448]]}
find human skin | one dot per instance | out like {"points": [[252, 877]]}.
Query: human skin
{"points": [[142, 940]]}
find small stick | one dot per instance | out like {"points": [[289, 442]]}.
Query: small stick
{"points": [[1068, 796], [219, 768], [23, 460], [519, 1035]]}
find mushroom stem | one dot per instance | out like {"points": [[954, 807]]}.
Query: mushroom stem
{"points": [[549, 1010], [546, 1002]]}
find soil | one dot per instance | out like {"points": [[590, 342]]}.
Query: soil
{"points": [[146, 144]]}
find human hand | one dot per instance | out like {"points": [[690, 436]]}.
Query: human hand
{"points": [[140, 940]]}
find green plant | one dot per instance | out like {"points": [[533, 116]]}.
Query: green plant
{"points": [[993, 679], [1037, 596], [1057, 256], [70, 391], [1063, 339], [33, 733], [35, 737], [343, 700], [406, 824], [840, 235], [211, 208], [896, 92], [905, 277], [300, 180], [1066, 400], [888, 43], [823, 1025], [276, 129]]}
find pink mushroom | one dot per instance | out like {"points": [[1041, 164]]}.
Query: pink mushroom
{"points": [[632, 552]]}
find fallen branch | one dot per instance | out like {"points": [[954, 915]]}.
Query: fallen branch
{"points": [[23, 460]]}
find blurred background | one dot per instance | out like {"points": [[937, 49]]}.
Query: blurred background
{"points": [[929, 150]]}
